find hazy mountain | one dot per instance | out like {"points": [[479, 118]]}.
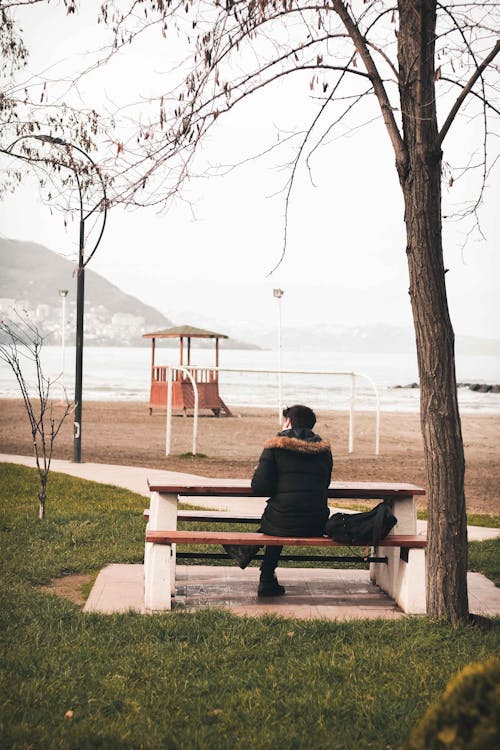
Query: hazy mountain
{"points": [[34, 274], [378, 338], [373, 338], [31, 276]]}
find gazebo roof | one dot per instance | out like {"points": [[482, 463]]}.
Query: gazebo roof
{"points": [[184, 332]]}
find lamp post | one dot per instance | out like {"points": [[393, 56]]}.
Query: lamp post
{"points": [[278, 294], [63, 293], [82, 262]]}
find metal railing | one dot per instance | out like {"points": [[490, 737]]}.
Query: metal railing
{"points": [[180, 374], [168, 436], [190, 373]]}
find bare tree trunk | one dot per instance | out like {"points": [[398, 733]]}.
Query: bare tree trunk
{"points": [[41, 506], [439, 414], [42, 494]]}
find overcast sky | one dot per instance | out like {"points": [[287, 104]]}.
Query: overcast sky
{"points": [[345, 263]]}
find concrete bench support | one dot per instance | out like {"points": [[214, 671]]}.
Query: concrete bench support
{"points": [[404, 576], [159, 561]]}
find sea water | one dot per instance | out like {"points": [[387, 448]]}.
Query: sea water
{"points": [[123, 374]]}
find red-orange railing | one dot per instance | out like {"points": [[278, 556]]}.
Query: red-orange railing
{"points": [[200, 375]]}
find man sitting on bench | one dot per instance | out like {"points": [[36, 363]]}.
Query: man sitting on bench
{"points": [[294, 469]]}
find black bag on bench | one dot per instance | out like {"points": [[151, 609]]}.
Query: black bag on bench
{"points": [[367, 528]]}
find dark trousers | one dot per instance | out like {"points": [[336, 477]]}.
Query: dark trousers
{"points": [[270, 561]]}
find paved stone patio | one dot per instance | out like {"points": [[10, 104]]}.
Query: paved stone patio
{"points": [[331, 594]]}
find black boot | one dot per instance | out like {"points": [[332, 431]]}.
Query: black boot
{"points": [[243, 554], [269, 586]]}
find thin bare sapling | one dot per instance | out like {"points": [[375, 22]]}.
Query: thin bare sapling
{"points": [[20, 347]]}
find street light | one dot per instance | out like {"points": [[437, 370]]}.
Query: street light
{"points": [[82, 262], [63, 293], [278, 294]]}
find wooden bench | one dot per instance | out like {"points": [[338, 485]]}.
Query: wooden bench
{"points": [[397, 565]]}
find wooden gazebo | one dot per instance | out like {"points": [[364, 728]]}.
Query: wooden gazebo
{"points": [[206, 378]]}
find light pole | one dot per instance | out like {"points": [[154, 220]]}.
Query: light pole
{"points": [[82, 261], [63, 293], [278, 294]]}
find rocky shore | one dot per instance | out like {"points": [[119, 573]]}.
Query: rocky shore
{"points": [[478, 387]]}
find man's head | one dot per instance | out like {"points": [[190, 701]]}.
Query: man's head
{"points": [[300, 416]]}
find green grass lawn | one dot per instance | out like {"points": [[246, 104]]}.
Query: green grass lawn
{"points": [[205, 680]]}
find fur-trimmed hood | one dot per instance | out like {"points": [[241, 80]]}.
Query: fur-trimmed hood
{"points": [[299, 445]]}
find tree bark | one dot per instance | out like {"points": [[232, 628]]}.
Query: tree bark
{"points": [[439, 414], [42, 495]]}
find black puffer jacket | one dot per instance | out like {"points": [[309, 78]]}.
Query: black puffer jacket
{"points": [[294, 470]]}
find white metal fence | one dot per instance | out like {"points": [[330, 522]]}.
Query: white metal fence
{"points": [[352, 399]]}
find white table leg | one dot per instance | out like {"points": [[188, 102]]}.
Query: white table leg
{"points": [[410, 584], [157, 577], [159, 559], [403, 577]]}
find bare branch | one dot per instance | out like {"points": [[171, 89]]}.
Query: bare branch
{"points": [[380, 92], [338, 120], [296, 162], [465, 91], [485, 102]]}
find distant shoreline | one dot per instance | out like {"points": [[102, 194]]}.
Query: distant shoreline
{"points": [[364, 410], [249, 377]]}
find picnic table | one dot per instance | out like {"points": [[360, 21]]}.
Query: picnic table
{"points": [[399, 571]]}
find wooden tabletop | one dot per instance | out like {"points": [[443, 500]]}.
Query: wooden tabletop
{"points": [[242, 488]]}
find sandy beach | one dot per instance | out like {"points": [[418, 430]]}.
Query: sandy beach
{"points": [[125, 433]]}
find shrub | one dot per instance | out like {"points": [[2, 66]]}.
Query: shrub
{"points": [[467, 715]]}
